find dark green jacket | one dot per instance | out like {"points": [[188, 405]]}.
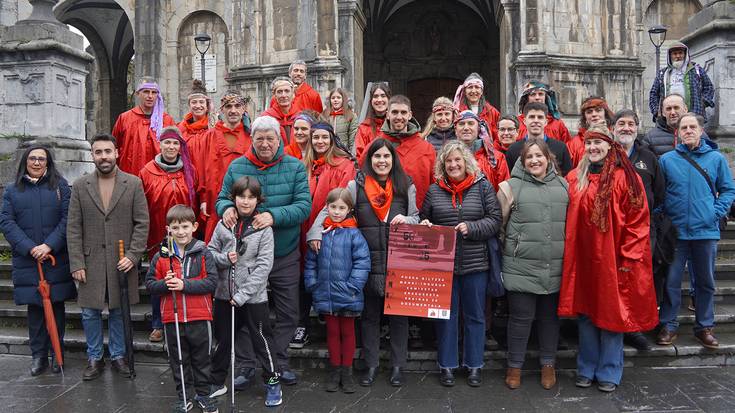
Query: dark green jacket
{"points": [[286, 192]]}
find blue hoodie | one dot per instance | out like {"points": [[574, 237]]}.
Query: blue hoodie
{"points": [[689, 202]]}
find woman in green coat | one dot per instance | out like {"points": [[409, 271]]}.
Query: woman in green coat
{"points": [[337, 112], [534, 206]]}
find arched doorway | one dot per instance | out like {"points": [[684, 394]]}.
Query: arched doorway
{"points": [[109, 31], [426, 48]]}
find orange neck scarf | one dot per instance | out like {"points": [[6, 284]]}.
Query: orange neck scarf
{"points": [[380, 198], [456, 188], [346, 223], [262, 166], [194, 125]]}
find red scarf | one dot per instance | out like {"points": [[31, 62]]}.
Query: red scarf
{"points": [[380, 198], [347, 223], [456, 188], [317, 166], [337, 112], [191, 125], [262, 166]]}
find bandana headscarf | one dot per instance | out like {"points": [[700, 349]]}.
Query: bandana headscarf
{"points": [[459, 95], [485, 138], [185, 159], [231, 98], [615, 157], [550, 97], [157, 113], [336, 142], [595, 103]]}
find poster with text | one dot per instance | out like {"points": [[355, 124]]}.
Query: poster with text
{"points": [[420, 266]]}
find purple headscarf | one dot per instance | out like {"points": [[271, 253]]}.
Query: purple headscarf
{"points": [[185, 160], [157, 114]]}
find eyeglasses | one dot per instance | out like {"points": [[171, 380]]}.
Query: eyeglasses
{"points": [[507, 130], [39, 159]]}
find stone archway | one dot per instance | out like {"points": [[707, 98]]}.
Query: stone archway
{"points": [[108, 28], [418, 46]]}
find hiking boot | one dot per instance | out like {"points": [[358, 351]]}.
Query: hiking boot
{"points": [[93, 370], [707, 339], [217, 390], [347, 379], [300, 338], [244, 378], [206, 404], [273, 394], [39, 365], [180, 407], [513, 378], [666, 337], [548, 376], [156, 335], [333, 379], [121, 367]]}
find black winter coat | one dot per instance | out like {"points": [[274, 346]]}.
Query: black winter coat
{"points": [[479, 209], [437, 138], [646, 164]]}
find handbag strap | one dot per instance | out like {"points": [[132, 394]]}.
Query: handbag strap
{"points": [[701, 171]]}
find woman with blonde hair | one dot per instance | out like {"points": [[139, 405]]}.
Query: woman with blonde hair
{"points": [[440, 125], [343, 120]]}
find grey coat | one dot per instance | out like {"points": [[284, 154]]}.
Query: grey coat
{"points": [[252, 268], [92, 236]]}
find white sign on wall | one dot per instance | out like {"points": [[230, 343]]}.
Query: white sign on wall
{"points": [[210, 70]]}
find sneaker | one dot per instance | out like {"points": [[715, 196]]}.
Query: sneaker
{"points": [[244, 378], [273, 394], [583, 382], [606, 387], [156, 335], [288, 377], [206, 404], [300, 338], [179, 406], [216, 391]]}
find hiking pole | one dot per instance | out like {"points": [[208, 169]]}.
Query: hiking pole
{"points": [[232, 328], [176, 317]]}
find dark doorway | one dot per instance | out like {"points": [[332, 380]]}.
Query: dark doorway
{"points": [[426, 48]]}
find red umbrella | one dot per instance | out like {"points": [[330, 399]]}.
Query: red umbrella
{"points": [[48, 311]]}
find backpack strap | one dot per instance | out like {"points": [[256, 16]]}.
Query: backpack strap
{"points": [[701, 171]]}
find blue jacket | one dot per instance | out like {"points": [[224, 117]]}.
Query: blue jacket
{"points": [[689, 202], [336, 276], [34, 216]]}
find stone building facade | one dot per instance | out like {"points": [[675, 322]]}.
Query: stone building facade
{"points": [[423, 48]]}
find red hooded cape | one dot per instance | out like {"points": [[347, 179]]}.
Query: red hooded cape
{"points": [[592, 283], [304, 98], [365, 135], [285, 119], [417, 159], [193, 130], [211, 157], [330, 177], [576, 147], [162, 191], [555, 128], [137, 144]]}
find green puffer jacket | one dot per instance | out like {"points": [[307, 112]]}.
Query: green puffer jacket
{"points": [[286, 192], [534, 235]]}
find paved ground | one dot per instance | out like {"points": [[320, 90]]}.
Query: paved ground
{"points": [[707, 389]]}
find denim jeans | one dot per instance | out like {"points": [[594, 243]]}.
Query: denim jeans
{"points": [[701, 255], [600, 354], [92, 323], [156, 322], [468, 294]]}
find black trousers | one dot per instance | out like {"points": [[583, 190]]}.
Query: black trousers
{"points": [[38, 337], [254, 317], [196, 351], [371, 315]]}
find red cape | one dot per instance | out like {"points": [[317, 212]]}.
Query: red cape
{"points": [[211, 157], [576, 147], [192, 130], [494, 175], [336, 176], [304, 98], [137, 144], [555, 128], [592, 283], [162, 191], [365, 135], [417, 159], [285, 119]]}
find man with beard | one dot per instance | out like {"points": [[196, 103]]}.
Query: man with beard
{"points": [[625, 131], [106, 206], [683, 77], [534, 117]]}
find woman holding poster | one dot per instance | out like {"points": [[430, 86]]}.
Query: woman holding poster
{"points": [[383, 195], [462, 198]]}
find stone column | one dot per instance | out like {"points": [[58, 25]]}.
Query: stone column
{"points": [[42, 92], [711, 42], [351, 28]]}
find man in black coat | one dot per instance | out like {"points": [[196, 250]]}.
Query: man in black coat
{"points": [[534, 114], [625, 131]]}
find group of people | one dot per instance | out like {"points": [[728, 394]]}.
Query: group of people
{"points": [[294, 209]]}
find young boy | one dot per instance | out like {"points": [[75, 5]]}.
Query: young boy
{"points": [[187, 273]]}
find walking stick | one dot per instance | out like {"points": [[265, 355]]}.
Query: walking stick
{"points": [[125, 309], [176, 316], [232, 328]]}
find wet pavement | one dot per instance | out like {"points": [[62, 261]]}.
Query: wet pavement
{"points": [[650, 389]]}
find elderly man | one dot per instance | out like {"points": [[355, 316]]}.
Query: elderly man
{"points": [[699, 193], [662, 138], [137, 131], [535, 91], [287, 205], [535, 118], [685, 78], [106, 206], [212, 154], [282, 107]]}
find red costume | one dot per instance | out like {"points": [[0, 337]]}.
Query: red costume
{"points": [[576, 147], [305, 97], [137, 144], [325, 177], [211, 156], [417, 159], [494, 175], [191, 129], [162, 191], [555, 128], [366, 134], [285, 119], [592, 282], [294, 150], [489, 115]]}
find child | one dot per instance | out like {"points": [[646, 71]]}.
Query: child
{"points": [[189, 272], [250, 251], [335, 278]]}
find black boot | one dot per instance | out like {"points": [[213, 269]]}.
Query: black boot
{"points": [[396, 377], [55, 365], [637, 341], [347, 379], [39, 365], [369, 378], [93, 370], [446, 377], [333, 377]]}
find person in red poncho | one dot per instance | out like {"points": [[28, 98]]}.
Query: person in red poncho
{"points": [[213, 153], [507, 132], [305, 97], [471, 131], [594, 111], [168, 180], [282, 107], [301, 134], [469, 96], [417, 156], [606, 281], [535, 91], [138, 129], [379, 94], [196, 123]]}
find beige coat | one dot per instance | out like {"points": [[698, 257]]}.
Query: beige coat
{"points": [[93, 234]]}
